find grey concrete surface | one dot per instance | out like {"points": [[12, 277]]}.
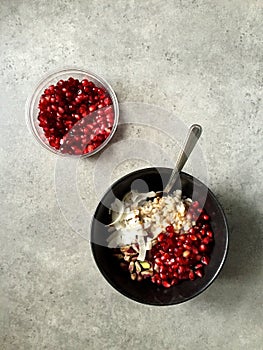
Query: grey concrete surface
{"points": [[201, 60]]}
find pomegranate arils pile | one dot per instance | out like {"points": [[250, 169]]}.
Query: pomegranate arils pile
{"points": [[76, 116], [183, 256], [175, 255]]}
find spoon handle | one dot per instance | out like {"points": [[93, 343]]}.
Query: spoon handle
{"points": [[192, 137]]}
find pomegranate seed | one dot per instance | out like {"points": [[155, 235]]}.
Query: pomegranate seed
{"points": [[170, 229], [165, 256], [171, 235], [163, 276], [185, 261], [209, 234], [195, 204], [171, 262], [206, 240], [162, 269], [193, 237], [110, 118], [205, 217], [85, 82], [160, 238], [195, 250], [159, 281], [191, 275], [174, 281], [178, 251], [179, 259], [155, 277], [92, 108], [90, 148], [175, 274], [107, 101], [192, 230], [158, 261], [165, 246], [179, 243], [198, 266], [202, 248], [180, 270], [205, 260], [166, 284], [199, 273], [182, 237], [203, 232], [187, 246]]}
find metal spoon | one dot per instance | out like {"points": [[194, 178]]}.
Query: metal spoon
{"points": [[192, 137]]}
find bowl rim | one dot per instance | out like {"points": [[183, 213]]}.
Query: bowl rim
{"points": [[219, 268], [39, 88]]}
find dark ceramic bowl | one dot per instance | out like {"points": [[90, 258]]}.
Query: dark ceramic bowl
{"points": [[146, 292]]}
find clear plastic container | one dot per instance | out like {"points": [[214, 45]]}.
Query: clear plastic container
{"points": [[32, 109]]}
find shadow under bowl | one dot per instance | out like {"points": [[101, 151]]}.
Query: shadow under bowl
{"points": [[147, 292]]}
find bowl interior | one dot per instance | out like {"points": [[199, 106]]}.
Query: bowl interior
{"points": [[33, 111], [146, 292]]}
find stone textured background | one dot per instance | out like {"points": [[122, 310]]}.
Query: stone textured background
{"points": [[201, 60]]}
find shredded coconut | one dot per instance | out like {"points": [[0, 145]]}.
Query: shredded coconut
{"points": [[138, 219]]}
